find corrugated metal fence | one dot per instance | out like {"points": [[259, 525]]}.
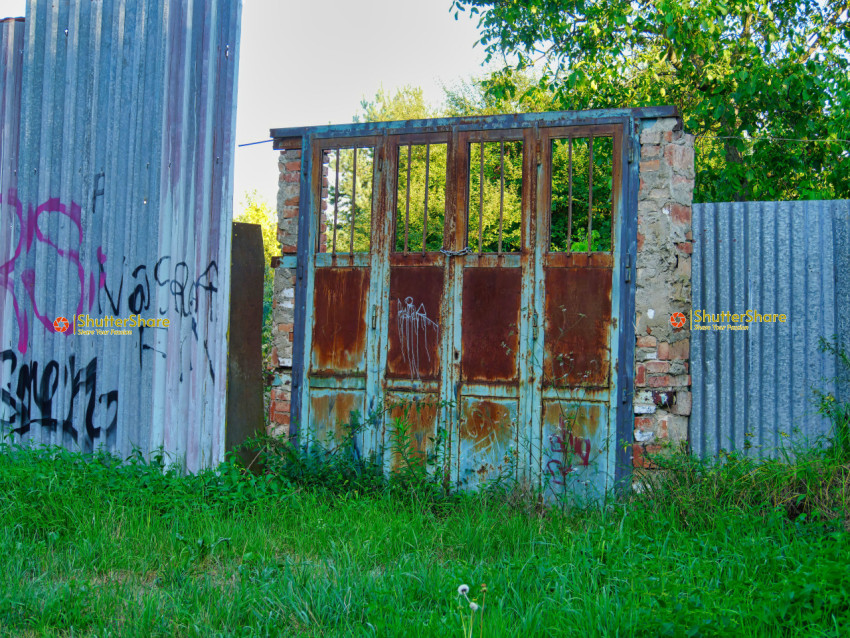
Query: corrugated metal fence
{"points": [[754, 387], [120, 206]]}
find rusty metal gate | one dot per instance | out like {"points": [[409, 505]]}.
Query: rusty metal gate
{"points": [[471, 274]]}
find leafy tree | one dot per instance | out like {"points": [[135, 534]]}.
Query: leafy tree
{"points": [[500, 207], [256, 211], [747, 75]]}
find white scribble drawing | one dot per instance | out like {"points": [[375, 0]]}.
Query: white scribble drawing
{"points": [[413, 324]]}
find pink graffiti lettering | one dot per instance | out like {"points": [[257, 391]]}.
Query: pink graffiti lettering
{"points": [[30, 236], [567, 445]]}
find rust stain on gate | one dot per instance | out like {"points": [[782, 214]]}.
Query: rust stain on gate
{"points": [[420, 417], [490, 323], [578, 318], [425, 244], [485, 422], [339, 328], [415, 307]]}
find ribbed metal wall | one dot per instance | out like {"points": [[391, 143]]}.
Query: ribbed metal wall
{"points": [[123, 206], [776, 257]]}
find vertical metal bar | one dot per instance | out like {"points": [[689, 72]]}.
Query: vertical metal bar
{"points": [[425, 219], [590, 199], [336, 201], [407, 199], [481, 199], [353, 204], [570, 208], [501, 190]]}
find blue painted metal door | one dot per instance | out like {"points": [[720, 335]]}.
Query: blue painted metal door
{"points": [[469, 278]]}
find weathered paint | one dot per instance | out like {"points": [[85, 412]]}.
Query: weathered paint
{"points": [[753, 389], [497, 412], [415, 308], [331, 411], [487, 433], [578, 318], [123, 206], [11, 74], [339, 324], [576, 449], [490, 324], [420, 417]]}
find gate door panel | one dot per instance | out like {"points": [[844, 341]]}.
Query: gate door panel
{"points": [[492, 294], [579, 217], [416, 327], [339, 334], [469, 274]]}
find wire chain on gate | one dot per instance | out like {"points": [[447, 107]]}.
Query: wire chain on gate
{"points": [[455, 253]]}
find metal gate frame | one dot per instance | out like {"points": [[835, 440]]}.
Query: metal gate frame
{"points": [[622, 338]]}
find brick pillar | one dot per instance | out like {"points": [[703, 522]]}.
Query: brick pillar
{"points": [[662, 401], [283, 304]]}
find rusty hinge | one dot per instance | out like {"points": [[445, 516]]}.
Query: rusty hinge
{"points": [[534, 326], [374, 317], [628, 268], [380, 159]]}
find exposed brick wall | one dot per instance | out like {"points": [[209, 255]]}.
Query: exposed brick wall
{"points": [[662, 400], [283, 304]]}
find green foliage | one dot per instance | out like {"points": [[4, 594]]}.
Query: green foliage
{"points": [[837, 410], [411, 200], [742, 73], [502, 199], [407, 103], [577, 160], [255, 211], [92, 547], [350, 175], [502, 175]]}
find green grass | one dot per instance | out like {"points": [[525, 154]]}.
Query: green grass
{"points": [[89, 547]]}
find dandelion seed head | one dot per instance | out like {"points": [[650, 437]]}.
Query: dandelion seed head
{"points": [[463, 590], [473, 606]]}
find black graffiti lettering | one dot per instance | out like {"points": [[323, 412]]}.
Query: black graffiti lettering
{"points": [[34, 399], [91, 390], [159, 281], [6, 394], [178, 288], [43, 395], [111, 397], [26, 378], [114, 302], [205, 282], [140, 298]]}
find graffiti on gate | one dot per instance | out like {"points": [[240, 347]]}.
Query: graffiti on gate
{"points": [[568, 446]]}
